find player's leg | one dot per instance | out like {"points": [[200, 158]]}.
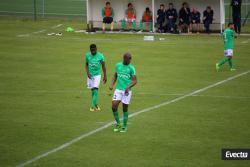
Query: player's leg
{"points": [[125, 102], [111, 24], [104, 24], [125, 117], [95, 87], [123, 24], [230, 60], [115, 103], [142, 26], [134, 24], [95, 98]]}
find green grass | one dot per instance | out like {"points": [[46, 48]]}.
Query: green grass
{"points": [[44, 101], [63, 8]]}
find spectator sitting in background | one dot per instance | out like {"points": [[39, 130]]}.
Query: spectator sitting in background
{"points": [[171, 15], [130, 17], [184, 18], [161, 18], [208, 15], [146, 19], [107, 15], [195, 20]]}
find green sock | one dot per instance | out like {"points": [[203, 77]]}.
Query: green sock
{"points": [[230, 62], [123, 24], [223, 61], [116, 116], [151, 26], [141, 25], [125, 119], [134, 25], [94, 97]]}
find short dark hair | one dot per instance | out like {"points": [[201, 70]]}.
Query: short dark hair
{"points": [[92, 46], [162, 5], [209, 7], [147, 9], [130, 4], [171, 4], [184, 3], [229, 24], [108, 3]]}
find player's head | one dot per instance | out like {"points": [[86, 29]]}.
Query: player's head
{"points": [[147, 9], [209, 9], [93, 49], [130, 5], [162, 6], [107, 4], [230, 25], [185, 5], [127, 58], [171, 5]]}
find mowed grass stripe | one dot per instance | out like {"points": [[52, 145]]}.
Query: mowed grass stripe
{"points": [[130, 116]]}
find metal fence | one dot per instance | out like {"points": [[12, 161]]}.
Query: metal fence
{"points": [[75, 9]]}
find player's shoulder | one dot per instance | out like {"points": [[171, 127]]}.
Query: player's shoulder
{"points": [[118, 64], [87, 54], [100, 54], [132, 67]]}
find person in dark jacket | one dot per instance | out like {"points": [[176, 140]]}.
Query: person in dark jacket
{"points": [[195, 20], [171, 15], [161, 18], [184, 17], [236, 13], [208, 16]]}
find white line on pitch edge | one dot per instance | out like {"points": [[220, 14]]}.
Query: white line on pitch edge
{"points": [[84, 135], [56, 26], [246, 41]]}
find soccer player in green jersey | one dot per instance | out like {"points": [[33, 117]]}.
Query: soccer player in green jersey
{"points": [[125, 75], [228, 36], [94, 61]]}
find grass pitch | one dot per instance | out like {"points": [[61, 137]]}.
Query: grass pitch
{"points": [[44, 102]]}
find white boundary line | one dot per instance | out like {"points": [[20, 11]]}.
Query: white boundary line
{"points": [[84, 135], [246, 41], [40, 31]]}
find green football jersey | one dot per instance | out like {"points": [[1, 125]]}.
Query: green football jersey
{"points": [[228, 35], [94, 63], [124, 75]]}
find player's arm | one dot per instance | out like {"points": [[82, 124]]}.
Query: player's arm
{"points": [[133, 83], [104, 72], [113, 81], [87, 70]]}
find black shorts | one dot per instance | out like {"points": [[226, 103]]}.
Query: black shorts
{"points": [[107, 20], [196, 22], [185, 22]]}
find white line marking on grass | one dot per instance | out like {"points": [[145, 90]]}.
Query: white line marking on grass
{"points": [[179, 94], [92, 132], [246, 41], [40, 31], [56, 26]]}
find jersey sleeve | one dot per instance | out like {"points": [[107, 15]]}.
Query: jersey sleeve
{"points": [[116, 68], [102, 59], [133, 71], [86, 58]]}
